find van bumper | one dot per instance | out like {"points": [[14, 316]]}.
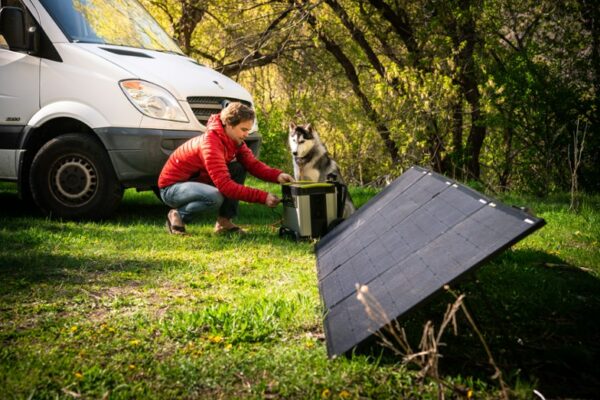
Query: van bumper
{"points": [[138, 155]]}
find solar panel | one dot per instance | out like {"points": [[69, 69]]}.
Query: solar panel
{"points": [[421, 232]]}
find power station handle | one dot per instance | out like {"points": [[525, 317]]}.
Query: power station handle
{"points": [[342, 193]]}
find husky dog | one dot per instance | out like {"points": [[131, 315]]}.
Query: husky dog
{"points": [[312, 162]]}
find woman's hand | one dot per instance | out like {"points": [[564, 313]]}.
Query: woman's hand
{"points": [[272, 200], [284, 178]]}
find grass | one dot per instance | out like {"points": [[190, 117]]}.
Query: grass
{"points": [[119, 309]]}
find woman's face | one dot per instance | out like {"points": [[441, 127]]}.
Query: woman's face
{"points": [[240, 131]]}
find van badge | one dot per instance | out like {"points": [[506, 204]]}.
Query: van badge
{"points": [[218, 84], [13, 119]]}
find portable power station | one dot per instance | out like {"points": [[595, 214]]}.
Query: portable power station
{"points": [[311, 209]]}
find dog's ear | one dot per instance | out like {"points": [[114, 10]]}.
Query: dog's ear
{"points": [[292, 127], [312, 132]]}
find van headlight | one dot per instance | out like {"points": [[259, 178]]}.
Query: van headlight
{"points": [[152, 100]]}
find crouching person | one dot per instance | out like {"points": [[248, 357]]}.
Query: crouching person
{"points": [[207, 173]]}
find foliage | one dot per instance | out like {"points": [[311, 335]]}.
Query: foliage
{"points": [[274, 131], [541, 94], [490, 91]]}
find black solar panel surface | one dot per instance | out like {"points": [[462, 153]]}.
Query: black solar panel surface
{"points": [[418, 234]]}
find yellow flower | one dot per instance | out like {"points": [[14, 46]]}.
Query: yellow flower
{"points": [[326, 393], [215, 338], [228, 346], [344, 394], [132, 366], [134, 342], [74, 328], [469, 393], [78, 375]]}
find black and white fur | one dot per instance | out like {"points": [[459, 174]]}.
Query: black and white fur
{"points": [[312, 162]]}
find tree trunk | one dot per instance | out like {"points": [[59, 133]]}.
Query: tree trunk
{"points": [[337, 52], [358, 36], [591, 167], [352, 76], [591, 20], [453, 162], [401, 25], [191, 15], [467, 34], [478, 130], [436, 147], [508, 158]]}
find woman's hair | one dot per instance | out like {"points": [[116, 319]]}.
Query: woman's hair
{"points": [[235, 113]]}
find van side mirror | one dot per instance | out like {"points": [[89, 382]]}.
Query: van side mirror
{"points": [[12, 27]]}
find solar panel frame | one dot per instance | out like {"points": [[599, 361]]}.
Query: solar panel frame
{"points": [[421, 232]]}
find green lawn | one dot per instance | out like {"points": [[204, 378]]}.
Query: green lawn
{"points": [[120, 309]]}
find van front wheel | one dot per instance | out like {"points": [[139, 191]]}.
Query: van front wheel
{"points": [[72, 177]]}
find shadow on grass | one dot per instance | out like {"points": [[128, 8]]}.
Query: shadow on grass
{"points": [[12, 206], [28, 240], [19, 274], [539, 317], [135, 208]]}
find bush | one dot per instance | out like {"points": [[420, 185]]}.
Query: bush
{"points": [[274, 150]]}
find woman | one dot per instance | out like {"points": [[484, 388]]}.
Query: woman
{"points": [[208, 171]]}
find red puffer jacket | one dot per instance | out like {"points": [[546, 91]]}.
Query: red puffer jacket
{"points": [[204, 159]]}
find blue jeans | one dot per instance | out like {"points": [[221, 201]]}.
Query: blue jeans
{"points": [[191, 197]]}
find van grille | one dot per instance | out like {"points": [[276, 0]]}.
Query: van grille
{"points": [[204, 106]]}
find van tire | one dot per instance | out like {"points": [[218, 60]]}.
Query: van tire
{"points": [[72, 177]]}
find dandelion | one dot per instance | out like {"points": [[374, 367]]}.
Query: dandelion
{"points": [[326, 393], [78, 375], [134, 342], [344, 394], [74, 328], [215, 339], [132, 367], [228, 346]]}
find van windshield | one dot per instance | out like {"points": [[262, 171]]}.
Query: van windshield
{"points": [[116, 22]]}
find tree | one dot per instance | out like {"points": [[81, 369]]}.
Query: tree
{"points": [[476, 90]]}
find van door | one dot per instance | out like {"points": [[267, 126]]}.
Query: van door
{"points": [[19, 92]]}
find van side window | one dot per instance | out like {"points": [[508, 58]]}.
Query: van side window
{"points": [[29, 21], [12, 3], [8, 3]]}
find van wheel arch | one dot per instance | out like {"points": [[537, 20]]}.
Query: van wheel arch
{"points": [[71, 176]]}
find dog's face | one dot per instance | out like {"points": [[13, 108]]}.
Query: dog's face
{"points": [[302, 139]]}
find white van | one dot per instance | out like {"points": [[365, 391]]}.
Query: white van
{"points": [[94, 96]]}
